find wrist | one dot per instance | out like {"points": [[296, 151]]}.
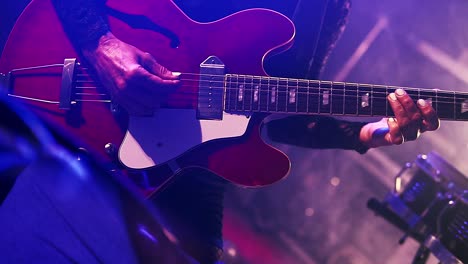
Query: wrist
{"points": [[364, 135], [373, 135], [90, 50]]}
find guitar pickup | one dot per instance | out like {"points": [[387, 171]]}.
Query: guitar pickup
{"points": [[211, 89]]}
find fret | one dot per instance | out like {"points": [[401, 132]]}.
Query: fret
{"points": [[297, 95], [325, 97], [313, 97], [338, 100], [461, 110], [454, 106], [227, 92], [232, 91], [308, 95], [379, 100], [351, 99], [372, 106], [264, 95], [282, 102], [445, 104], [243, 92], [388, 109], [302, 96], [364, 99], [292, 96]]}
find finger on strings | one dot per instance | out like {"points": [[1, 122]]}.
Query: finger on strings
{"points": [[407, 114], [398, 110], [151, 65], [157, 85], [408, 104], [430, 120]]}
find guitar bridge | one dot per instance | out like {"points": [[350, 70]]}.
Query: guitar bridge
{"points": [[211, 89], [5, 84], [66, 88]]}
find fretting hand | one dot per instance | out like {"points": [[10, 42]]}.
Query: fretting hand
{"points": [[409, 122]]}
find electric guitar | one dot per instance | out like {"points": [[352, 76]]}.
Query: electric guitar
{"points": [[214, 119]]}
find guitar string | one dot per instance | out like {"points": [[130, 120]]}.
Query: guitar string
{"points": [[309, 82], [311, 91], [335, 97], [282, 95], [335, 102], [278, 79], [317, 109]]}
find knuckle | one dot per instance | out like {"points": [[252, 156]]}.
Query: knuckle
{"points": [[133, 72], [162, 70], [147, 55]]}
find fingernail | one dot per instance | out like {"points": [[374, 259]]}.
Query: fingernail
{"points": [[392, 96], [421, 102], [400, 92], [176, 73]]}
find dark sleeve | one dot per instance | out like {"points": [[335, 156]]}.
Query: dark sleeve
{"points": [[317, 132], [83, 20]]}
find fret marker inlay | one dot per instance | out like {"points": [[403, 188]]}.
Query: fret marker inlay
{"points": [[292, 96], [326, 97], [240, 98], [464, 107], [256, 88]]}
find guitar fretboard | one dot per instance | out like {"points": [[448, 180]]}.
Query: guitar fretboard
{"points": [[246, 93]]}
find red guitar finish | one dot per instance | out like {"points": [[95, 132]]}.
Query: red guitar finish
{"points": [[241, 41]]}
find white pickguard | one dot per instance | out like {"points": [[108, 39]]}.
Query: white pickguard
{"points": [[170, 132]]}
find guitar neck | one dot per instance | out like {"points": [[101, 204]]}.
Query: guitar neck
{"points": [[246, 93]]}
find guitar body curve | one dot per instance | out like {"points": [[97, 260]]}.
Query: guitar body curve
{"points": [[242, 41]]}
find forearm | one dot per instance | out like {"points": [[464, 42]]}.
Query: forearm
{"points": [[83, 21], [317, 132]]}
